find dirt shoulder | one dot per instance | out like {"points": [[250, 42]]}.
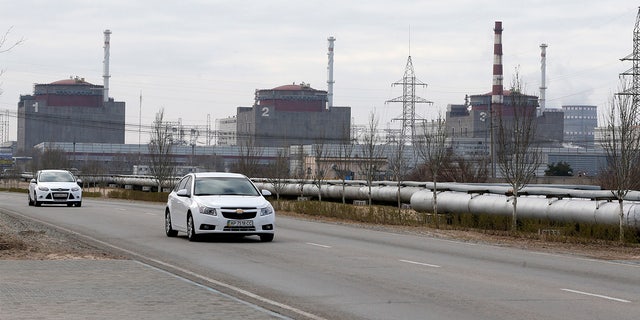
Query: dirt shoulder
{"points": [[22, 239]]}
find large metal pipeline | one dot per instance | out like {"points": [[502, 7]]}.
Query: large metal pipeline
{"points": [[556, 203]]}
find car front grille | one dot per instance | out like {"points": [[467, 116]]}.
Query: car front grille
{"points": [[59, 196], [239, 213], [239, 228]]}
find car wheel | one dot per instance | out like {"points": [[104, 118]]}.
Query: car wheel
{"points": [[168, 229], [191, 230], [29, 198], [36, 202], [266, 237], [78, 204], [69, 204]]}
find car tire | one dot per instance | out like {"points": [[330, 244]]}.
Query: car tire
{"points": [[191, 230], [168, 228], [69, 204], [78, 204], [268, 237], [29, 198], [36, 202]]}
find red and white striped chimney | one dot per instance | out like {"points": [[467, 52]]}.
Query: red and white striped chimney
{"points": [[497, 90]]}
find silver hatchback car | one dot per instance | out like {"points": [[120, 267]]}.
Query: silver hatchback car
{"points": [[219, 203]]}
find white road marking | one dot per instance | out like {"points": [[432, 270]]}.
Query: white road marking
{"points": [[421, 263], [318, 245], [596, 295]]}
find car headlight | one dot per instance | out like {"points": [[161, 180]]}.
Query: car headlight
{"points": [[266, 211], [207, 210], [74, 189], [43, 188]]}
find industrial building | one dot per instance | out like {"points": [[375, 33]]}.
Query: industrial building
{"points": [[70, 110], [580, 122], [294, 114]]}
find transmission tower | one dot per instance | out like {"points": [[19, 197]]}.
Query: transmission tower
{"points": [[409, 100], [634, 72]]}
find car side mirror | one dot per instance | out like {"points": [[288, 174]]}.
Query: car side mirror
{"points": [[79, 182], [266, 192], [182, 193], [32, 181]]}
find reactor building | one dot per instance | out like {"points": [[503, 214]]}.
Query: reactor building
{"points": [[293, 114], [71, 110]]}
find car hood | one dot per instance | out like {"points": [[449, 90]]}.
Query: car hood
{"points": [[57, 185], [232, 201]]}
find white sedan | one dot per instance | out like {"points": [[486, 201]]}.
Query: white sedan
{"points": [[219, 203], [55, 187]]}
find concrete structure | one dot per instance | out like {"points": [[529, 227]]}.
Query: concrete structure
{"points": [[70, 110], [543, 75], [292, 115], [226, 131], [330, 81], [474, 121], [580, 122]]}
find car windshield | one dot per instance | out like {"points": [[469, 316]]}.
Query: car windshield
{"points": [[56, 177], [224, 186]]}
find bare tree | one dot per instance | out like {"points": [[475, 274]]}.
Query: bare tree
{"points": [[343, 164], [622, 146], [518, 155], [160, 146], [278, 173], [249, 161], [398, 166], [432, 148], [50, 158], [320, 172], [372, 151], [6, 46]]}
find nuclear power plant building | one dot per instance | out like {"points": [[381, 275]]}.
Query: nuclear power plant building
{"points": [[70, 110], [294, 114]]}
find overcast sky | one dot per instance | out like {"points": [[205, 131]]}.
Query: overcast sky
{"points": [[197, 58]]}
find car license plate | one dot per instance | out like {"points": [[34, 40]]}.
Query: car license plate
{"points": [[240, 223], [59, 195]]}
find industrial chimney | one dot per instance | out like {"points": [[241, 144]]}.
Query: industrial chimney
{"points": [[497, 90], [543, 81], [330, 81], [105, 76]]}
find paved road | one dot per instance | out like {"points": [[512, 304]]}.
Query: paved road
{"points": [[318, 270]]}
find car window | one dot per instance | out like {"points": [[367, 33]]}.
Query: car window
{"points": [[224, 186], [187, 185], [56, 177], [180, 184]]}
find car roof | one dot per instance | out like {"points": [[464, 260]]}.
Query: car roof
{"points": [[218, 175], [54, 170]]}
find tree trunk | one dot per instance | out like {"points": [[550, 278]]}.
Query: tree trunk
{"points": [[514, 216], [620, 202]]}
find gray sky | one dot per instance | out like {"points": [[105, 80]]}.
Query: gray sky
{"points": [[196, 57]]}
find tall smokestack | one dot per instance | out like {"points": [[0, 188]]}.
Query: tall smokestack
{"points": [[330, 81], [543, 81], [497, 90], [105, 76]]}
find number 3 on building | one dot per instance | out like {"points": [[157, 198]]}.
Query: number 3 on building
{"points": [[265, 111]]}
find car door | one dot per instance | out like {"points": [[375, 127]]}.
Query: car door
{"points": [[180, 204]]}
